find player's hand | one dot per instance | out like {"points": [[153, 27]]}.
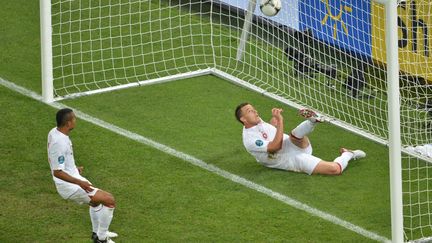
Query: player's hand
{"points": [[274, 121], [277, 114], [80, 169], [86, 186]]}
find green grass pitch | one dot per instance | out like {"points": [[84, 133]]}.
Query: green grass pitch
{"points": [[159, 197]]}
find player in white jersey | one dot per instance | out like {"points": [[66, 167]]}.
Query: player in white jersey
{"points": [[69, 182], [272, 148]]}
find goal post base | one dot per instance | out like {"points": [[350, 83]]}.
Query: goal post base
{"points": [[139, 83]]}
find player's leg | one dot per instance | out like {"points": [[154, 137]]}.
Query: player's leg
{"points": [[103, 197], [299, 133], [105, 214], [327, 168], [346, 155], [303, 160], [95, 210], [343, 159], [299, 142], [340, 163], [82, 197]]}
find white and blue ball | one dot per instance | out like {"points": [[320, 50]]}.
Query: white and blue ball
{"points": [[270, 7]]}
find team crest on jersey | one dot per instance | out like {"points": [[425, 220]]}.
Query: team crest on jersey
{"points": [[259, 143], [61, 159]]}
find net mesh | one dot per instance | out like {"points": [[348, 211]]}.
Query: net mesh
{"points": [[416, 75], [99, 44]]}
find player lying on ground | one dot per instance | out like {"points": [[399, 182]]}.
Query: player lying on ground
{"points": [[272, 148], [69, 182]]}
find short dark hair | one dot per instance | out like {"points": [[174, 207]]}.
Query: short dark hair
{"points": [[63, 116], [238, 112]]}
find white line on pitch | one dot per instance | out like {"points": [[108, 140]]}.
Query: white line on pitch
{"points": [[235, 178]]}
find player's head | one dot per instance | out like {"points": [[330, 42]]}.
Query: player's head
{"points": [[65, 119], [247, 115]]}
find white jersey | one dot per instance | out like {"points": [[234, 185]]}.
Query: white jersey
{"points": [[256, 140], [60, 157], [289, 157]]}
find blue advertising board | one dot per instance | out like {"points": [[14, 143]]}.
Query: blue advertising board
{"points": [[342, 23], [345, 24]]}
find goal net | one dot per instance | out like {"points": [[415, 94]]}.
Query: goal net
{"points": [[326, 55], [415, 21]]}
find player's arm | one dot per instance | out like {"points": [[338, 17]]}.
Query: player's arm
{"points": [[273, 121], [56, 156], [66, 177], [276, 144]]}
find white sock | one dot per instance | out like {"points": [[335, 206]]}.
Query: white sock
{"points": [[303, 129], [105, 217], [343, 159], [94, 217]]}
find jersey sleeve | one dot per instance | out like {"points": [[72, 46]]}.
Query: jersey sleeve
{"points": [[256, 144], [57, 156]]}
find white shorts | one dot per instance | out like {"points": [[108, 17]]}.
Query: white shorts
{"points": [[297, 159], [82, 197]]}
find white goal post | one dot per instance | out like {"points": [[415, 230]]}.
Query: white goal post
{"points": [[391, 35], [364, 63], [46, 51]]}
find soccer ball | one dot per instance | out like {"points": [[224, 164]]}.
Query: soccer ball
{"points": [[270, 7]]}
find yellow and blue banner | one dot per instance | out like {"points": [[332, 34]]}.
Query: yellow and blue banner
{"points": [[359, 26]]}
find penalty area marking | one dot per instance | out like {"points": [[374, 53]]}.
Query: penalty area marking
{"points": [[200, 163]]}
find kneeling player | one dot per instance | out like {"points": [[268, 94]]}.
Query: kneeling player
{"points": [[69, 182]]}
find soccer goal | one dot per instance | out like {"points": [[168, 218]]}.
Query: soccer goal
{"points": [[363, 63]]}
